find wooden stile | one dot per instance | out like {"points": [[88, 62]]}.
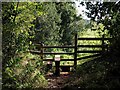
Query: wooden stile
{"points": [[76, 51]]}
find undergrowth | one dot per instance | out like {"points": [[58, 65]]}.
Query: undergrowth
{"points": [[102, 72], [24, 71]]}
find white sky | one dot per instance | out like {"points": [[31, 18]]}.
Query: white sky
{"points": [[80, 10]]}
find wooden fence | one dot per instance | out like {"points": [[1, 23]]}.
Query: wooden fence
{"points": [[76, 51]]}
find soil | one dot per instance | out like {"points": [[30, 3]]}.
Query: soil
{"points": [[57, 81]]}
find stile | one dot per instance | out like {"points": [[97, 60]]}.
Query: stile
{"points": [[75, 47]]}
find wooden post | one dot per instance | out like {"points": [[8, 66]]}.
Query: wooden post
{"points": [[57, 70], [49, 65], [103, 47], [57, 65], [75, 52], [41, 48]]}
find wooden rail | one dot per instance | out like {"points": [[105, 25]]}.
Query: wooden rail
{"points": [[90, 51], [55, 46], [94, 38], [66, 66], [60, 60], [39, 52], [89, 46], [86, 57]]}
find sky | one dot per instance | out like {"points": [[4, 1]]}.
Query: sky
{"points": [[81, 10]]}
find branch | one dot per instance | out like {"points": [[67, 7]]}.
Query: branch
{"points": [[16, 12]]}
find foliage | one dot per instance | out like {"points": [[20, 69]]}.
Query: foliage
{"points": [[57, 25], [108, 14], [24, 71], [47, 26], [102, 72], [16, 20], [70, 23]]}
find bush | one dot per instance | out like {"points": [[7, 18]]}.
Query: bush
{"points": [[99, 73], [24, 71]]}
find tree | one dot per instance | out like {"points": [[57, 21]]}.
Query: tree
{"points": [[57, 25], [107, 13], [17, 18], [47, 25], [70, 22]]}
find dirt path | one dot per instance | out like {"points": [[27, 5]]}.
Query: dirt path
{"points": [[57, 81]]}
